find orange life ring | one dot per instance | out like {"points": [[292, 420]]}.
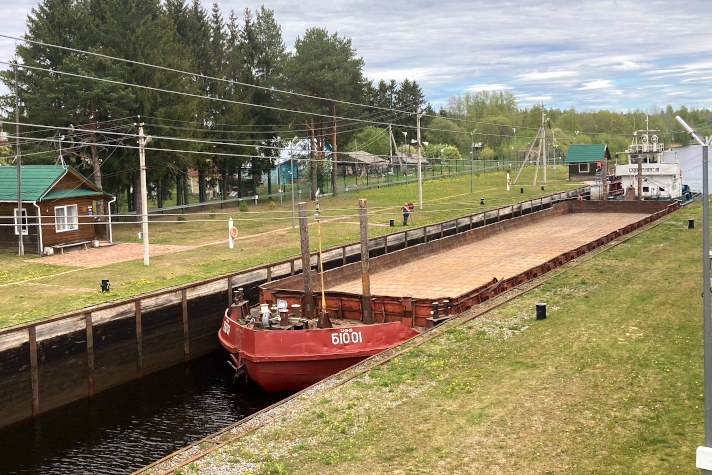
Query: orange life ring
{"points": [[233, 233]]}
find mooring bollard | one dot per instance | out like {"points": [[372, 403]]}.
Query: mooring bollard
{"points": [[690, 224], [540, 310]]}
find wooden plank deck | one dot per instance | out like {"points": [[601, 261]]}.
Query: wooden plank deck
{"points": [[458, 271]]}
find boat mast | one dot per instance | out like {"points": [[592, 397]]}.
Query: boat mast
{"points": [[645, 150], [323, 320], [366, 309], [306, 261]]}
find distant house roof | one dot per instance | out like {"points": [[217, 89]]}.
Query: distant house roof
{"points": [[587, 153], [365, 157], [38, 183], [406, 159]]}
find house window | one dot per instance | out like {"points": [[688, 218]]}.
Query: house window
{"points": [[66, 218], [21, 222], [583, 168]]}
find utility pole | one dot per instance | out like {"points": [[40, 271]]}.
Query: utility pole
{"points": [[420, 174], [18, 162], [142, 141], [472, 157], [543, 140]]}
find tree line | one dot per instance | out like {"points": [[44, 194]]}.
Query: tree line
{"points": [[223, 97], [219, 96]]}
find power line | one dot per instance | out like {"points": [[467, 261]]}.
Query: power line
{"points": [[187, 73]]}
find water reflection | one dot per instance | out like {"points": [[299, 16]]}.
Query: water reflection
{"points": [[129, 427]]}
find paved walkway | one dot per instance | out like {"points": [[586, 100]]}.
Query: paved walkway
{"points": [[455, 272], [109, 254], [128, 251]]}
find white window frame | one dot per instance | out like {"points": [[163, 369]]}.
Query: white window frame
{"points": [[23, 224], [584, 168], [66, 218]]}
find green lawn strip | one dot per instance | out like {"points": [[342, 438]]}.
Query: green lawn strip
{"points": [[34, 299], [12, 269], [610, 382]]}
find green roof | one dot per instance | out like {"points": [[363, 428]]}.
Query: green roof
{"points": [[587, 153], [37, 183]]}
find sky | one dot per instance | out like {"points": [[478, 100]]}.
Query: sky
{"points": [[615, 55]]}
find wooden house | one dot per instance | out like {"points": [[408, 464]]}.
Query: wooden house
{"points": [[58, 209], [585, 161], [362, 163], [408, 164]]}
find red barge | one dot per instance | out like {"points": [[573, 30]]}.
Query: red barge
{"points": [[282, 348], [280, 351]]}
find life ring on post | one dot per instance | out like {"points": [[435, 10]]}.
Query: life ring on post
{"points": [[233, 233]]}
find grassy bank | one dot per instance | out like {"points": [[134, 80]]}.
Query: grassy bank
{"points": [[610, 382], [32, 288]]}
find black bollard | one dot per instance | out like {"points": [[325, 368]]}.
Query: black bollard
{"points": [[540, 310]]}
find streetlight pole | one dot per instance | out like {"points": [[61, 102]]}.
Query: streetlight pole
{"points": [[704, 453], [515, 146]]}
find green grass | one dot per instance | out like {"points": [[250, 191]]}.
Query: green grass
{"points": [[609, 382], [32, 290]]}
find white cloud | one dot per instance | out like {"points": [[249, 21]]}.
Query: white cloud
{"points": [[488, 87], [623, 55], [546, 76], [597, 84]]}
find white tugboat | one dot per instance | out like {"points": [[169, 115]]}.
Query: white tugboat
{"points": [[650, 173]]}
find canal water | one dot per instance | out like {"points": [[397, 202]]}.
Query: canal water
{"points": [[126, 428]]}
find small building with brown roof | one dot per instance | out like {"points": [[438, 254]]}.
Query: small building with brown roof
{"points": [[58, 206]]}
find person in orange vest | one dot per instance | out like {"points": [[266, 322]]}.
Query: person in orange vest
{"points": [[406, 212]]}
